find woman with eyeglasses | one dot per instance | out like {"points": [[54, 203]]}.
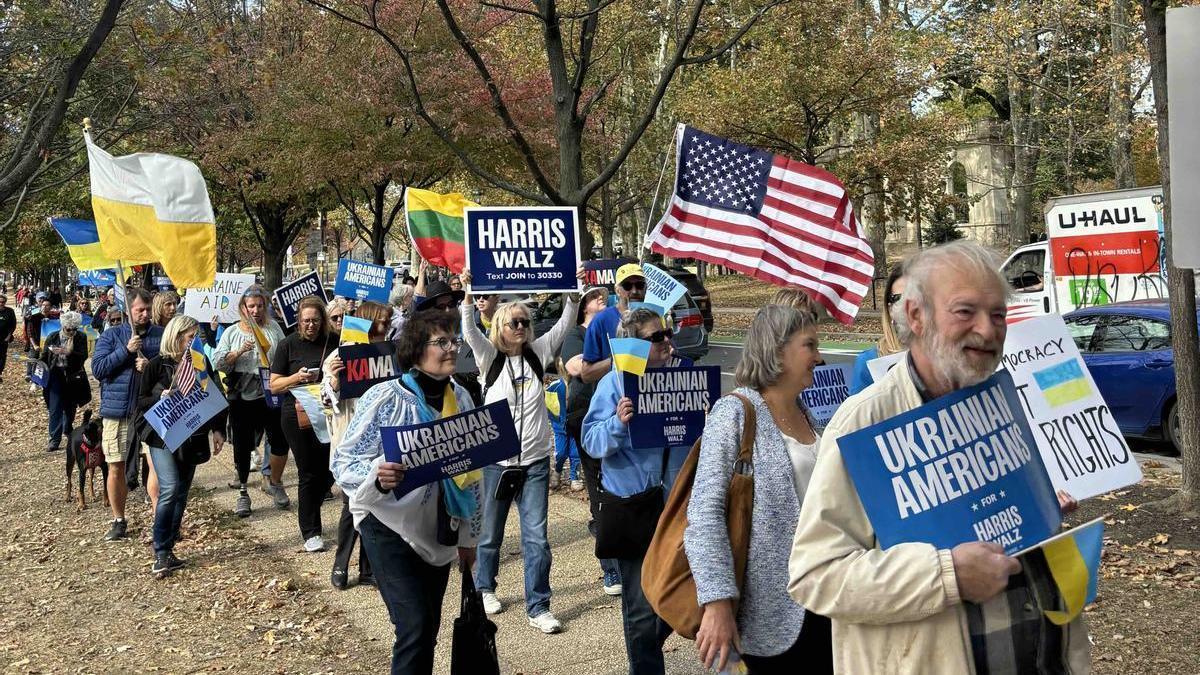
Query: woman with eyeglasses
{"points": [[380, 317], [626, 471], [511, 364], [243, 351], [297, 363], [64, 352], [860, 377], [411, 541]]}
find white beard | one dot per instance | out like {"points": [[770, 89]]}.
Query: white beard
{"points": [[951, 362]]}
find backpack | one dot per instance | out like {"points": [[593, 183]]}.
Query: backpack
{"points": [[667, 579], [527, 353]]}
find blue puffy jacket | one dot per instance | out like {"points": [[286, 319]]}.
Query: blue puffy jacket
{"points": [[112, 366]]}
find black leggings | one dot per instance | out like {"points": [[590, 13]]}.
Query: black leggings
{"points": [[312, 468], [247, 420], [812, 652]]}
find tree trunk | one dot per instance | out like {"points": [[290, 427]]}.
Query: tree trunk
{"points": [[1120, 117], [1181, 285], [1024, 162]]}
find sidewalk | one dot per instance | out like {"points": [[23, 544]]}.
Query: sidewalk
{"points": [[590, 644]]}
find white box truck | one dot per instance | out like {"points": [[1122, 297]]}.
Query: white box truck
{"points": [[1100, 247]]}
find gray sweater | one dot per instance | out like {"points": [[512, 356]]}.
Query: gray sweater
{"points": [[768, 619]]}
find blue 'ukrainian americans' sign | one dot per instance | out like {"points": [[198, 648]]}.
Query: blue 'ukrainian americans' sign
{"points": [[451, 446], [669, 404], [177, 417], [523, 249], [964, 467], [359, 280]]}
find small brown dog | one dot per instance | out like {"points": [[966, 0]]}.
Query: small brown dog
{"points": [[83, 451]]}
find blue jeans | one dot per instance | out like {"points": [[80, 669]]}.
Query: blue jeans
{"points": [[174, 483], [62, 412], [564, 449], [532, 504], [645, 633], [412, 590]]}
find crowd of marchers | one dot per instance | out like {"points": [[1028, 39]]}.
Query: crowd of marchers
{"points": [[802, 586]]}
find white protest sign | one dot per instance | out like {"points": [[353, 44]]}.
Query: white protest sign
{"points": [[880, 366], [830, 387], [1077, 435], [219, 300]]}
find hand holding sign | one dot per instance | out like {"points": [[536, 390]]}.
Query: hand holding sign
{"points": [[390, 474], [982, 570], [625, 410]]}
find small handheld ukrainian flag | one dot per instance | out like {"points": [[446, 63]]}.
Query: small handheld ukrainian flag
{"points": [[356, 330], [1074, 561], [630, 355], [196, 350]]}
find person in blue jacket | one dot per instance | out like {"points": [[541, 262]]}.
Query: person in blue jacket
{"points": [[860, 377], [626, 471], [121, 353]]}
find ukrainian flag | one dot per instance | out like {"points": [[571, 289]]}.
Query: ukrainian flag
{"points": [[197, 353], [630, 355], [1074, 561], [151, 207], [355, 330], [48, 326], [83, 243], [1063, 383]]}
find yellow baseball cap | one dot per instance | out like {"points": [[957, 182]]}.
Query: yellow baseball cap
{"points": [[630, 270]]}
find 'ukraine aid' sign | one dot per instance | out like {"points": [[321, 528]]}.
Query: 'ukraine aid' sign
{"points": [[366, 366], [964, 467], [358, 280], [523, 249], [669, 404], [451, 446]]}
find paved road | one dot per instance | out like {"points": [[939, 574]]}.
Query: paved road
{"points": [[727, 355]]}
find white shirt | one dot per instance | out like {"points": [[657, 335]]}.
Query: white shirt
{"points": [[804, 458]]}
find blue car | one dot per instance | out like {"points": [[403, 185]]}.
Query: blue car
{"points": [[1127, 348]]}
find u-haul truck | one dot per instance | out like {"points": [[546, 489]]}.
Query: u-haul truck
{"points": [[1100, 247]]}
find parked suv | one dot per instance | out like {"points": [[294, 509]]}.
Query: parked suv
{"points": [[691, 338], [697, 290]]}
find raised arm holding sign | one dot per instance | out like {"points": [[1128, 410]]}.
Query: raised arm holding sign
{"points": [[526, 249]]}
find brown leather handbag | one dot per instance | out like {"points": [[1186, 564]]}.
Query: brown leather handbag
{"points": [[666, 575]]}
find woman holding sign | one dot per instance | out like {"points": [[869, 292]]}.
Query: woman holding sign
{"points": [[380, 317], [511, 364], [243, 353], [296, 363], [411, 541], [172, 373], [758, 619]]}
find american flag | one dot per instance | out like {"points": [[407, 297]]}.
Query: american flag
{"points": [[185, 375], [766, 215]]}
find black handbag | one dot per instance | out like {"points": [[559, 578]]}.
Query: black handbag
{"points": [[79, 389], [133, 455], [625, 525], [473, 645]]}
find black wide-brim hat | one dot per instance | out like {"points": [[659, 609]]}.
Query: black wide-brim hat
{"points": [[437, 290]]}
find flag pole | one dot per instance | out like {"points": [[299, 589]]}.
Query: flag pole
{"points": [[657, 188]]}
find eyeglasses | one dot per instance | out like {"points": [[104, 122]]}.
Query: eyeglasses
{"points": [[631, 285], [658, 335], [447, 344], [519, 323]]}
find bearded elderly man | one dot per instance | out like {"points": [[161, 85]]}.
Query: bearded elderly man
{"points": [[914, 608]]}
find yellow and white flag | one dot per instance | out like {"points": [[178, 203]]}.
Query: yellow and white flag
{"points": [[150, 206]]}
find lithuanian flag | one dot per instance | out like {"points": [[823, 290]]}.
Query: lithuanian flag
{"points": [[154, 207], [435, 224]]}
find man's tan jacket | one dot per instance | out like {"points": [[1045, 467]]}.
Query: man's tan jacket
{"points": [[896, 611]]}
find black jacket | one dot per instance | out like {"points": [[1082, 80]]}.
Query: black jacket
{"points": [[156, 378], [8, 323], [75, 359]]}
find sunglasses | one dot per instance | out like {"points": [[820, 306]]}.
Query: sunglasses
{"points": [[658, 335], [632, 285], [114, 322], [519, 323], [891, 299], [335, 317], [445, 304]]}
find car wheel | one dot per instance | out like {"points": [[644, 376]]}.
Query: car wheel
{"points": [[1171, 428]]}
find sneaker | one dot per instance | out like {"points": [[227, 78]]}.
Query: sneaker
{"points": [[555, 480], [491, 604], [242, 508], [546, 623], [279, 495], [612, 583], [162, 565], [576, 485], [314, 544], [339, 579], [118, 531], [175, 563]]}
